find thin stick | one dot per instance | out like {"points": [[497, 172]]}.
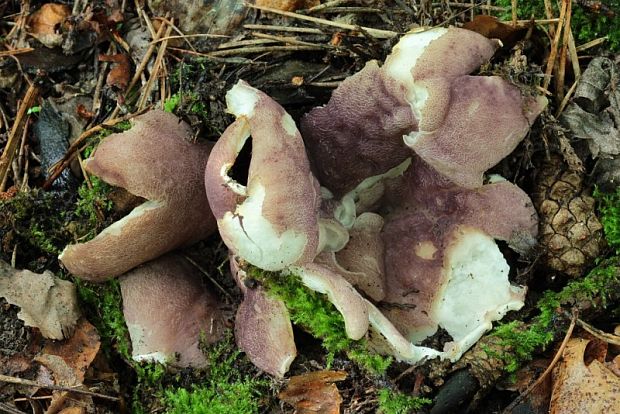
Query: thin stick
{"points": [[569, 94], [559, 86], [555, 360], [184, 36], [14, 52], [327, 5], [6, 158], [591, 44], [308, 30], [549, 13], [379, 34], [289, 40], [603, 336], [21, 381], [554, 47], [248, 42], [204, 272], [145, 59], [334, 10], [146, 92], [572, 49], [513, 7], [261, 49], [472, 6]]}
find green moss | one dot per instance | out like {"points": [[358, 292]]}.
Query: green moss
{"points": [[609, 214], [224, 390], [586, 25], [521, 341], [393, 402], [35, 221], [317, 315], [103, 305], [171, 103], [91, 203]]}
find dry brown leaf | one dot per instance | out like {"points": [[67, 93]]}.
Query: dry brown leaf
{"points": [[491, 28], [314, 392], [45, 23], [581, 388], [46, 302], [119, 75], [79, 351], [288, 5]]}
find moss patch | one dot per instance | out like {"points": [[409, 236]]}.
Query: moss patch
{"points": [[314, 312], [226, 386], [521, 341], [609, 208], [586, 24], [393, 402]]}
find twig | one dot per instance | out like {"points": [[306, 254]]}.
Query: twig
{"points": [[308, 30], [261, 49], [554, 47], [146, 91], [569, 94], [559, 85], [185, 36], [248, 42], [472, 6], [379, 34], [290, 40], [327, 5], [555, 360], [603, 336], [513, 8], [591, 44], [20, 119], [334, 10], [5, 408], [145, 59], [21, 381], [204, 272], [14, 52]]}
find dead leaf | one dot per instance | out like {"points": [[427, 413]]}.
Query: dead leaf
{"points": [[119, 75], [581, 388], [46, 302], [491, 28], [314, 392], [594, 113], [45, 23], [79, 351], [288, 5]]}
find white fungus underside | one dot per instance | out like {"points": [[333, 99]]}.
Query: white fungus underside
{"points": [[256, 239], [478, 291]]}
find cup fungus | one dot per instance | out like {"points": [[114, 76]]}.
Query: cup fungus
{"points": [[401, 151], [168, 310], [154, 160], [273, 221]]}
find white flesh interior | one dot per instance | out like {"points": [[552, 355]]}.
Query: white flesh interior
{"points": [[256, 239], [241, 100], [477, 291]]}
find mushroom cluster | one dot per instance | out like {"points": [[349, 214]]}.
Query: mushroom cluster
{"points": [[383, 204], [380, 203]]}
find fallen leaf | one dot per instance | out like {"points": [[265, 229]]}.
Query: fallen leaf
{"points": [[314, 392], [46, 302], [491, 28], [45, 23], [581, 388], [594, 113], [119, 75], [79, 351]]}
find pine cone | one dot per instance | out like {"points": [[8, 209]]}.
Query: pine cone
{"points": [[571, 234]]}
